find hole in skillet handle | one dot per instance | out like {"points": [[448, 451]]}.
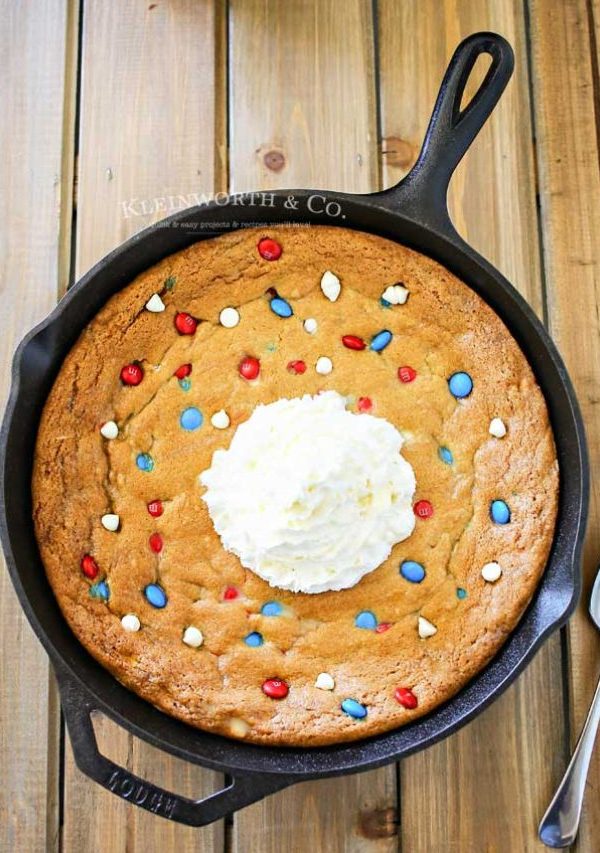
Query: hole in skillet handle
{"points": [[78, 706], [421, 195]]}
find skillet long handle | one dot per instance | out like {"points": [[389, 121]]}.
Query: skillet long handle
{"points": [[422, 194], [241, 791]]}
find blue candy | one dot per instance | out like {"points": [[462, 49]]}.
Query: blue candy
{"points": [[185, 384], [461, 593], [354, 709], [254, 639], [380, 340], [366, 619], [280, 307], [100, 590], [271, 608], [446, 455], [412, 571], [191, 418], [500, 512], [460, 385], [384, 303], [144, 462], [156, 595]]}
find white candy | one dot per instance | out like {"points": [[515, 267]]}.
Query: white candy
{"points": [[155, 304], [220, 419], [426, 629], [193, 637], [311, 325], [324, 365], [229, 317], [497, 428], [110, 521], [395, 294], [330, 285], [130, 622], [491, 572], [109, 430], [324, 681]]}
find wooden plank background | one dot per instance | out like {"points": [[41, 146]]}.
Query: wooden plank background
{"points": [[146, 101]]}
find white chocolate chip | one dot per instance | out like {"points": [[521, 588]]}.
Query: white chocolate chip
{"points": [[330, 285], [426, 629], [238, 727], [130, 622], [155, 304], [220, 419], [324, 681], [491, 572], [311, 325], [395, 294], [497, 428], [193, 637], [110, 521], [324, 365], [109, 430], [229, 317]]}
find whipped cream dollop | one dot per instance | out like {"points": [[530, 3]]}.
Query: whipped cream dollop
{"points": [[311, 496]]}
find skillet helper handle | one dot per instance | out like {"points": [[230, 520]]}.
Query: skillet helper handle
{"points": [[242, 790], [451, 129]]}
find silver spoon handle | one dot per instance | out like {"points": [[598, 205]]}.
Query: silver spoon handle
{"points": [[559, 825]]}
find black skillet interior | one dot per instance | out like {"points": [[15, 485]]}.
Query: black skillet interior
{"points": [[414, 213]]}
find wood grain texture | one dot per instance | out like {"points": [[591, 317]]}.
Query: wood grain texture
{"points": [[148, 125], [566, 92], [37, 45], [302, 113], [486, 787]]}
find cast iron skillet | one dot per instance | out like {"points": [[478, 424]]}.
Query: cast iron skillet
{"points": [[414, 213]]}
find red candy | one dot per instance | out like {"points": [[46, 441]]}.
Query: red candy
{"points": [[89, 567], [365, 404], [131, 374], [383, 627], [275, 688], [406, 698], [156, 543], [269, 249], [297, 367], [249, 367], [423, 509], [183, 371], [406, 374], [185, 323], [230, 593], [353, 342], [155, 508]]}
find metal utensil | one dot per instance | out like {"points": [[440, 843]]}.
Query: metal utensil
{"points": [[560, 824]]}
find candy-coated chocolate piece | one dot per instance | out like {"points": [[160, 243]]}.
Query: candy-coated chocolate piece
{"points": [[271, 608], [275, 688], [193, 637], [491, 572], [191, 418], [155, 508], [406, 374], [324, 365], [412, 571], [461, 593], [354, 709], [395, 294], [353, 342], [366, 619], [280, 307], [156, 543], [460, 385], [324, 681], [297, 367], [330, 285], [255, 639], [249, 367], [185, 384], [426, 628], [497, 428], [423, 509], [183, 371], [364, 404], [381, 340], [383, 627], [155, 304], [131, 623], [132, 374], [311, 325], [109, 430], [110, 521], [100, 590], [155, 595], [230, 593], [500, 512], [144, 462], [446, 455], [185, 323], [220, 419], [89, 567], [269, 249], [229, 318], [406, 698]]}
